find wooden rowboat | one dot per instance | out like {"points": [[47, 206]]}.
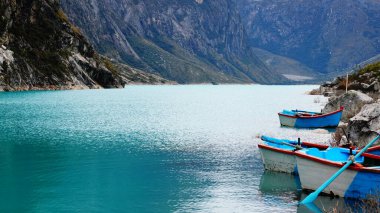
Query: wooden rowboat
{"points": [[357, 181], [305, 119], [280, 155]]}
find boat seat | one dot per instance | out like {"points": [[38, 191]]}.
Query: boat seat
{"points": [[315, 152], [288, 112], [336, 154], [333, 154]]}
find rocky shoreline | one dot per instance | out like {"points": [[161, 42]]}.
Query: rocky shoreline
{"points": [[361, 116], [7, 88]]}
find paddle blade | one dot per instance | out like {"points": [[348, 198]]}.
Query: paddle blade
{"points": [[310, 198], [312, 207]]}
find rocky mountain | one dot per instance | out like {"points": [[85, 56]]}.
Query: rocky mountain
{"points": [[41, 49], [189, 41], [325, 35]]}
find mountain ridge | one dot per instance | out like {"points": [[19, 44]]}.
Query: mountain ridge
{"points": [[328, 36], [191, 42]]}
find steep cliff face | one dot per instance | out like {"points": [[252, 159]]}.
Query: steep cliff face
{"points": [[40, 48], [188, 41], [325, 35]]}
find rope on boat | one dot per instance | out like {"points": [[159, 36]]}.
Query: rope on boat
{"points": [[352, 158]]}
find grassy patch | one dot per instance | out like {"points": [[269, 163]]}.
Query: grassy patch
{"points": [[62, 16], [371, 68], [110, 66], [364, 75]]}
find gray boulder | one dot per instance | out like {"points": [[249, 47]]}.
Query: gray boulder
{"points": [[352, 101], [374, 87], [363, 126]]}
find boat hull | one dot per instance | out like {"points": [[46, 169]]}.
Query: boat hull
{"points": [[353, 182], [277, 161], [318, 121], [279, 157], [287, 121]]}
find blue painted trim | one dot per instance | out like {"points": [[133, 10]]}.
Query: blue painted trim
{"points": [[364, 185], [321, 121]]}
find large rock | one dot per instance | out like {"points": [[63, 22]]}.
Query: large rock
{"points": [[352, 101], [41, 49], [363, 126]]}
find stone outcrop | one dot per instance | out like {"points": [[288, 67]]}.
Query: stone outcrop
{"points": [[365, 80], [362, 103], [362, 127], [352, 101], [41, 49]]}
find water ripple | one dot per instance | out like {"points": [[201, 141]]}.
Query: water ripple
{"points": [[145, 148]]}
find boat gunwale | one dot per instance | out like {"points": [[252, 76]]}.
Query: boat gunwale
{"points": [[374, 148], [325, 162], [313, 116], [291, 152], [371, 156], [319, 146]]}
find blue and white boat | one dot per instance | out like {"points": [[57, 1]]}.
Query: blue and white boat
{"points": [[357, 181], [306, 119], [280, 155]]}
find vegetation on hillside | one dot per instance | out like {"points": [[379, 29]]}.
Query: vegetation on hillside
{"points": [[365, 79]]}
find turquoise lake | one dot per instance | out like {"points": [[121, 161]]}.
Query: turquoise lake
{"points": [[148, 149]]}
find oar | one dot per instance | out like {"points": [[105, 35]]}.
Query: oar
{"points": [[311, 197], [284, 143]]}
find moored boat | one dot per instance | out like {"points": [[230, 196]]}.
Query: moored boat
{"points": [[306, 119], [279, 154], [357, 181]]}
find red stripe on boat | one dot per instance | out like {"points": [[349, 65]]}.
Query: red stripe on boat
{"points": [[312, 116], [289, 152], [334, 163]]}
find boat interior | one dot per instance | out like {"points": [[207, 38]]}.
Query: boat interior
{"points": [[338, 154], [335, 154]]}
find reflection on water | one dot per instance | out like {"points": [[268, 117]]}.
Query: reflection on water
{"points": [[286, 188], [278, 183]]}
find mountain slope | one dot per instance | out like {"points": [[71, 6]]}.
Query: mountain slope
{"points": [[40, 48], [325, 35], [188, 41], [291, 69]]}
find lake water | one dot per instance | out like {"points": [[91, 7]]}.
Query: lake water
{"points": [[148, 149]]}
